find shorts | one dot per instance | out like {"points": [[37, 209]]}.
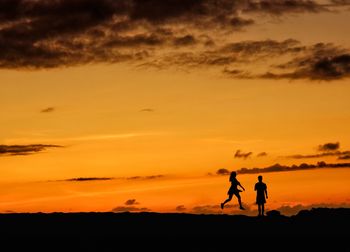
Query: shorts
{"points": [[234, 191]]}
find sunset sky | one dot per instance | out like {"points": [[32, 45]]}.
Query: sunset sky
{"points": [[135, 105]]}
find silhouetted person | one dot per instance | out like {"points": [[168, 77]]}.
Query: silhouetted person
{"points": [[261, 192], [234, 191]]}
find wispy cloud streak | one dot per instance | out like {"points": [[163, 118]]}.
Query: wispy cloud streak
{"points": [[22, 150]]}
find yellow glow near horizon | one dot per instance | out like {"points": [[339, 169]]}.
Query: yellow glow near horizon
{"points": [[165, 194]]}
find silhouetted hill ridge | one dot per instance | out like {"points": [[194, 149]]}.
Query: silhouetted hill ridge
{"points": [[315, 222]]}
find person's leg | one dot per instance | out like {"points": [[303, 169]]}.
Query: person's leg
{"points": [[262, 209], [259, 209], [227, 200], [239, 201]]}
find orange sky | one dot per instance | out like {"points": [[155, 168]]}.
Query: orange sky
{"points": [[170, 114]]}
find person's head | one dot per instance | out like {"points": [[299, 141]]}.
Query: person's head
{"points": [[260, 178], [233, 174]]}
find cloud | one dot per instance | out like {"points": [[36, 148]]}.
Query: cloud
{"points": [[48, 110], [317, 62], [341, 2], [279, 7], [325, 154], [328, 147], [295, 209], [46, 34], [314, 67], [121, 209], [281, 168], [180, 208], [130, 207], [240, 154], [294, 60], [222, 171], [208, 209], [147, 110], [185, 40], [251, 209], [84, 179], [36, 34], [237, 53], [347, 156], [131, 202], [16, 150], [146, 177], [230, 208], [239, 23], [262, 154]]}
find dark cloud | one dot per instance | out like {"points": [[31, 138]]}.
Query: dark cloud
{"points": [[347, 156], [262, 47], [240, 154], [317, 62], [147, 110], [16, 150], [83, 179], [146, 177], [236, 55], [131, 202], [222, 171], [262, 154], [320, 155], [279, 7], [48, 110], [281, 168], [150, 33], [185, 41], [239, 23], [46, 34], [180, 208], [141, 40], [121, 209], [328, 68], [327, 149], [329, 146], [341, 2]]}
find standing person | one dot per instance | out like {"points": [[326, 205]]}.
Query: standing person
{"points": [[234, 191], [261, 192]]}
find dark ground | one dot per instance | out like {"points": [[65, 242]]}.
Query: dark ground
{"points": [[110, 231]]}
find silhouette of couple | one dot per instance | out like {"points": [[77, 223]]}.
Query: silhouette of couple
{"points": [[260, 188]]}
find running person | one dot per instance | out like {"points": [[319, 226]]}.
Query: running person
{"points": [[234, 191]]}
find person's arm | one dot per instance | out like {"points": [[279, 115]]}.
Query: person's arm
{"points": [[241, 186], [266, 192]]}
